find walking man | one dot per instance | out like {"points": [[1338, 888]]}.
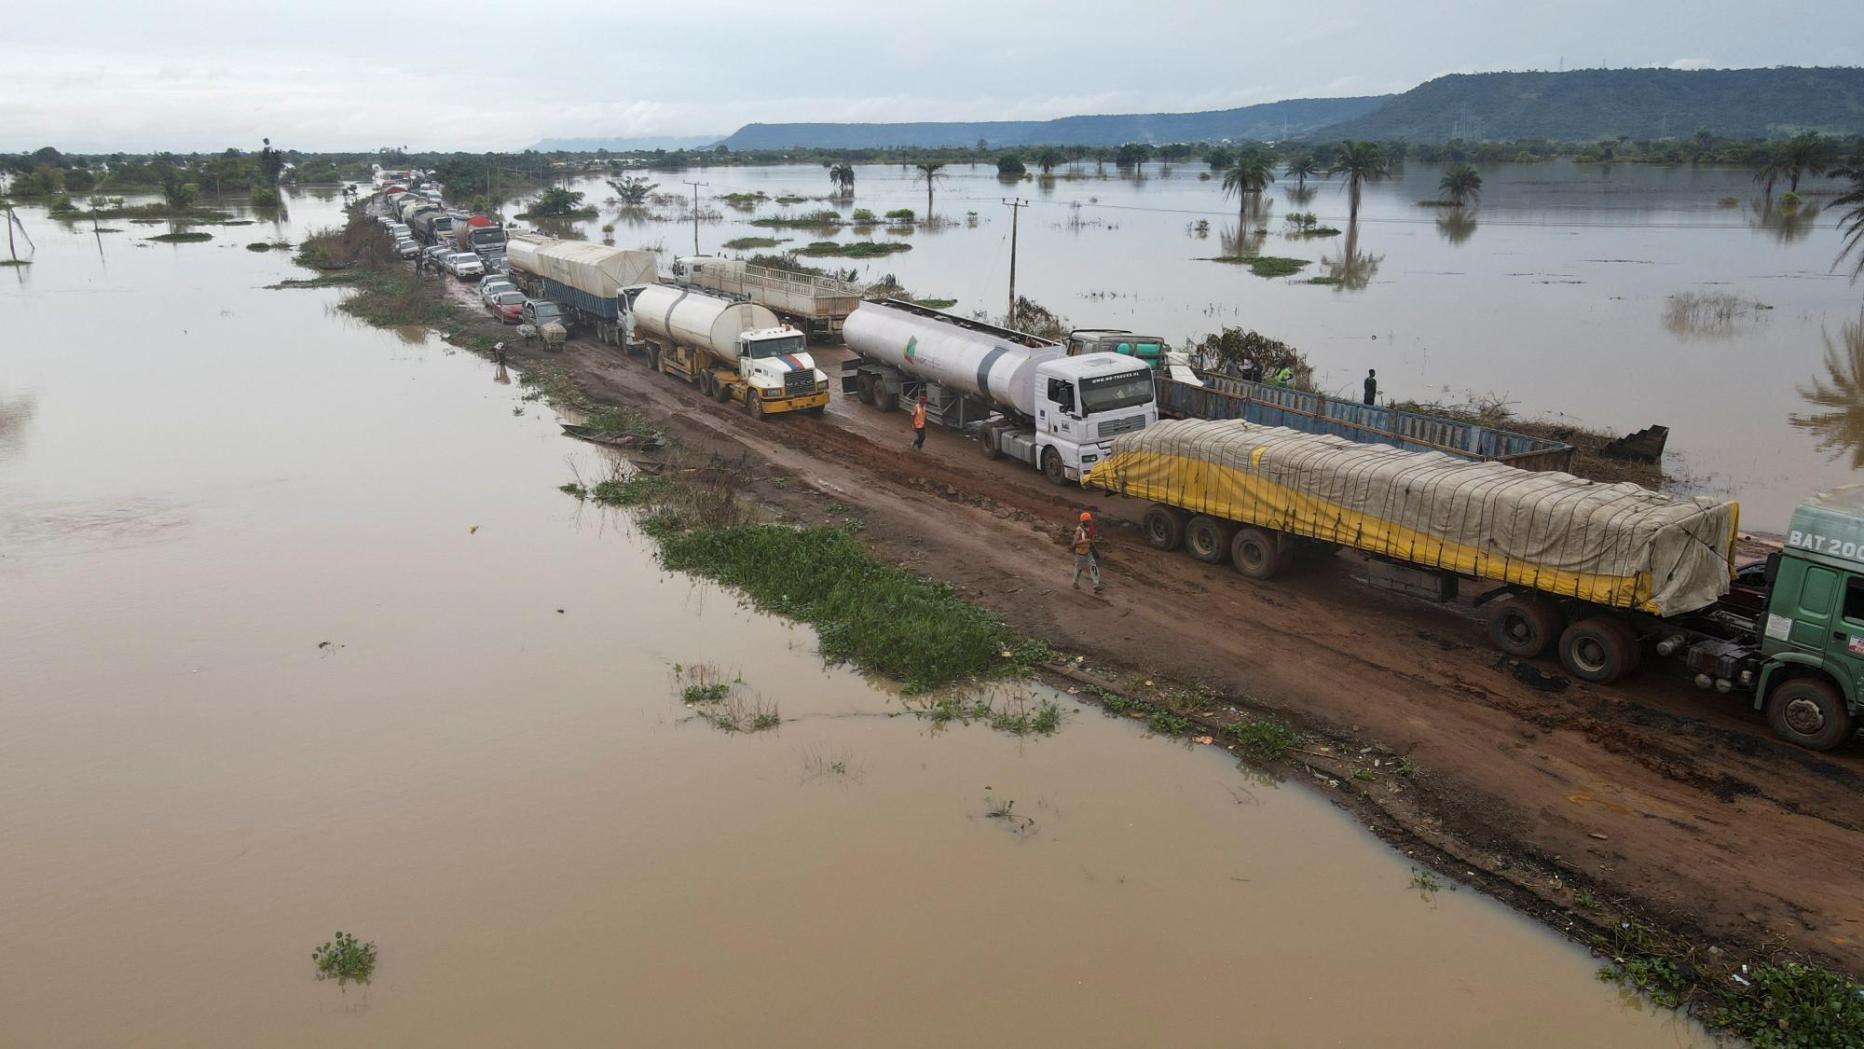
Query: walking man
{"points": [[1372, 385], [919, 423], [1084, 558]]}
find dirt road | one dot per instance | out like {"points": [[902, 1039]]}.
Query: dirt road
{"points": [[1565, 798]]}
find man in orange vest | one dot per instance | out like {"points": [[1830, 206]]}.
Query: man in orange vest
{"points": [[919, 423], [1084, 559]]}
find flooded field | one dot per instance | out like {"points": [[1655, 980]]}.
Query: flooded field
{"points": [[300, 637], [1614, 296]]}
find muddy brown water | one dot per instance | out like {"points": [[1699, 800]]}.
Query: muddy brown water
{"points": [[298, 636], [1610, 296]]}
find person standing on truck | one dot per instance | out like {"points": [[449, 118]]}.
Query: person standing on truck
{"points": [[1084, 559], [1372, 385], [919, 423]]}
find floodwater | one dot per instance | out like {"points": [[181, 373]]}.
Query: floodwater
{"points": [[298, 636], [1568, 291]]}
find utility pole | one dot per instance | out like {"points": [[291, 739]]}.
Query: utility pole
{"points": [[695, 186], [1016, 207]]}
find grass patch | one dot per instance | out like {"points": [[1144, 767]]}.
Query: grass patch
{"points": [[579, 213], [344, 959], [638, 490], [1795, 1006], [809, 220], [184, 237], [1264, 265], [620, 421], [15, 262], [260, 245], [873, 615], [1425, 882], [860, 249], [748, 243], [1265, 739]]}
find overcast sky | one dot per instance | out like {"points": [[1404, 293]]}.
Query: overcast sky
{"points": [[347, 74]]}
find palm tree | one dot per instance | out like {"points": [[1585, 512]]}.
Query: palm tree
{"points": [[1360, 162], [1302, 167], [1771, 170], [1048, 157], [1247, 178], [1839, 423], [1851, 223], [1801, 155], [930, 172], [842, 175], [1461, 184]]}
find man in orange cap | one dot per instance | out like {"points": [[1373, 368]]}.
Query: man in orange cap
{"points": [[1084, 559]]}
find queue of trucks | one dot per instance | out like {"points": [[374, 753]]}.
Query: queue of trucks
{"points": [[1597, 575]]}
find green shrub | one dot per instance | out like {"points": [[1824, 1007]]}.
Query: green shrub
{"points": [[344, 959]]}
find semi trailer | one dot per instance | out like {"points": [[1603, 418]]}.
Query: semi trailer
{"points": [[1599, 574], [817, 305], [585, 279], [732, 349], [1020, 396], [479, 235]]}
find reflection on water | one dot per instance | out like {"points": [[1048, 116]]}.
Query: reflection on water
{"points": [[1456, 225], [1711, 315], [1838, 396], [15, 414], [1351, 269], [1787, 224]]}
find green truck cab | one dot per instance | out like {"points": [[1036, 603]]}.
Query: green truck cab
{"points": [[1811, 632]]}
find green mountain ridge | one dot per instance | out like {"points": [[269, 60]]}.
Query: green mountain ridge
{"points": [[1592, 104]]}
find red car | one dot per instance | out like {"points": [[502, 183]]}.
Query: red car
{"points": [[506, 306]]}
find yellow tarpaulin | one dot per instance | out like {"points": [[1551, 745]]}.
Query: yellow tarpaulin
{"points": [[1613, 544]]}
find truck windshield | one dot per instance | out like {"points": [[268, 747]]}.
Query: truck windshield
{"points": [[547, 311], [1104, 393], [771, 347], [488, 236]]}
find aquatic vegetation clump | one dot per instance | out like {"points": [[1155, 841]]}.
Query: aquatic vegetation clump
{"points": [[345, 959]]}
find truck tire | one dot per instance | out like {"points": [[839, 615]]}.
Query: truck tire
{"points": [[987, 442], [1256, 553], [1598, 650], [1208, 539], [1163, 526], [1053, 468], [721, 390], [653, 356], [886, 402], [707, 385], [864, 388], [1809, 712], [753, 406], [1523, 627]]}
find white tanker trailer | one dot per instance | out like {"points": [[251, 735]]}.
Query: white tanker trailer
{"points": [[731, 349], [1019, 395]]}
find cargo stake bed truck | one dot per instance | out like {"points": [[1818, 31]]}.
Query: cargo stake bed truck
{"points": [[731, 349], [1596, 572], [1019, 395], [585, 279], [817, 305]]}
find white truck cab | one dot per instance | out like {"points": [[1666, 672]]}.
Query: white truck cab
{"points": [[1083, 403], [773, 363]]}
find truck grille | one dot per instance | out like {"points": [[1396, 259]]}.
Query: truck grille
{"points": [[798, 382], [1117, 426]]}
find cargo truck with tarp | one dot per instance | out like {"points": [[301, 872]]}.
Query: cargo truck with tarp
{"points": [[585, 279], [1599, 573]]}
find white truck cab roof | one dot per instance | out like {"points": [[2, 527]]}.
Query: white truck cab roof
{"points": [[1091, 365]]}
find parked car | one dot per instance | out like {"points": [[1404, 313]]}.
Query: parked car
{"points": [[507, 306], [464, 265], [490, 286], [437, 253], [406, 248]]}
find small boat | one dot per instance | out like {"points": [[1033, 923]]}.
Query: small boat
{"points": [[639, 442]]}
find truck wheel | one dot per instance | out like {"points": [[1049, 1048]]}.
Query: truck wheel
{"points": [[1208, 539], [987, 442], [707, 385], [653, 357], [1052, 466], [886, 402], [864, 388], [1523, 627], [721, 390], [754, 406], [1596, 649], [1163, 526], [1256, 553], [1809, 712]]}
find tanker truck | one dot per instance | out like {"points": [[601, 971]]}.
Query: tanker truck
{"points": [[585, 279], [1597, 574], [1020, 396], [733, 350]]}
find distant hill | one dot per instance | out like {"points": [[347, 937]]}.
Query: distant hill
{"points": [[617, 145], [1273, 120], [1587, 104]]}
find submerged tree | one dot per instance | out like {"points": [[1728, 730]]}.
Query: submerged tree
{"points": [[1048, 158], [842, 175], [1301, 167], [556, 201], [1838, 396], [1247, 178], [1851, 223], [1359, 162], [1461, 184], [632, 189], [929, 172], [1803, 154]]}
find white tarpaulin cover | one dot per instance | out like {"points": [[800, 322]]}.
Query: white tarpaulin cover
{"points": [[589, 268], [1614, 544]]}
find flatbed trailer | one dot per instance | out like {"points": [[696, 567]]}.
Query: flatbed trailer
{"points": [[817, 306]]}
